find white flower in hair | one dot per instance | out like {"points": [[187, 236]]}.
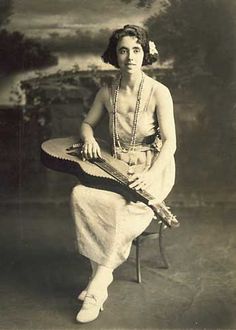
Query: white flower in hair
{"points": [[152, 48]]}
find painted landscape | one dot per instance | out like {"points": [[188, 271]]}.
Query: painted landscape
{"points": [[50, 71], [50, 74]]}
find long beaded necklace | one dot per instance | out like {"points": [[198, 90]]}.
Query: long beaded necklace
{"points": [[115, 135]]}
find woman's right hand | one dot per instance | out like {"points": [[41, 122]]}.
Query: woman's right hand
{"points": [[91, 149]]}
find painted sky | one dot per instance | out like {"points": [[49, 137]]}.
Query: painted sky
{"points": [[41, 17]]}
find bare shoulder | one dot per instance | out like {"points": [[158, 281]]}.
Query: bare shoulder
{"points": [[161, 96], [161, 90], [102, 94], [108, 87]]}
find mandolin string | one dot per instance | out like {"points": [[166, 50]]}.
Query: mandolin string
{"points": [[121, 177], [104, 165], [161, 210]]}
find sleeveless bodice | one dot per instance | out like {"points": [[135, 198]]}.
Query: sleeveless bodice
{"points": [[147, 132], [147, 124]]}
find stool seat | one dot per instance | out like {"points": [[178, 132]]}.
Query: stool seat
{"points": [[148, 236]]}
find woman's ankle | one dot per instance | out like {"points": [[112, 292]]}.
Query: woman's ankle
{"points": [[99, 284], [94, 267]]}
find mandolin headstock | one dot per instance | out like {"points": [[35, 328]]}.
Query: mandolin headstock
{"points": [[163, 212]]}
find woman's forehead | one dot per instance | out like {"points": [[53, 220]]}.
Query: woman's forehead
{"points": [[128, 41]]}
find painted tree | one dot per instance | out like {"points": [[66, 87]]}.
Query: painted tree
{"points": [[5, 11], [199, 35], [18, 52]]}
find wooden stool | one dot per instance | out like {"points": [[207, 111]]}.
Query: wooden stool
{"points": [[146, 236]]}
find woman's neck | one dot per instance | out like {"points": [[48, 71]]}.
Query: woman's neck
{"points": [[131, 81]]}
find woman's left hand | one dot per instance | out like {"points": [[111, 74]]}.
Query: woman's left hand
{"points": [[142, 180]]}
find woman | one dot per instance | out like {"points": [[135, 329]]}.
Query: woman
{"points": [[140, 112]]}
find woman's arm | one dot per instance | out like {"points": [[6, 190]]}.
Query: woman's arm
{"points": [[165, 115], [91, 148]]}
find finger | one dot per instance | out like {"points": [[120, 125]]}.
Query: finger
{"points": [[90, 151], [99, 152], [84, 154], [85, 150], [135, 183], [152, 201], [94, 152], [131, 171], [141, 186], [134, 177]]}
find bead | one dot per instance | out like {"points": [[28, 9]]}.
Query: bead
{"points": [[115, 135]]}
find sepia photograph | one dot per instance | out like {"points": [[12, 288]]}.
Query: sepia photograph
{"points": [[117, 164]]}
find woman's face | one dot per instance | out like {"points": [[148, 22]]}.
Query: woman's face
{"points": [[129, 54]]}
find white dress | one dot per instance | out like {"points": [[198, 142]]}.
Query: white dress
{"points": [[106, 223]]}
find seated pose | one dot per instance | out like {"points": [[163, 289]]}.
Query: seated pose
{"points": [[142, 134]]}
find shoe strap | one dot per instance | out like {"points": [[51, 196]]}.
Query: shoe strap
{"points": [[90, 299]]}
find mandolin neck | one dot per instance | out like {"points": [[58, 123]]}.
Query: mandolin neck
{"points": [[53, 156], [161, 210], [121, 178]]}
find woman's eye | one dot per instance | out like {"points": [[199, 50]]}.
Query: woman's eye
{"points": [[123, 51], [136, 51]]}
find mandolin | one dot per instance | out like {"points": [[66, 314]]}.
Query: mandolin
{"points": [[106, 173]]}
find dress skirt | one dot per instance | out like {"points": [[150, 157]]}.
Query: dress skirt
{"points": [[106, 224]]}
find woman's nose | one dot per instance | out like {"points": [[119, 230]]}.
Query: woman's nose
{"points": [[130, 55]]}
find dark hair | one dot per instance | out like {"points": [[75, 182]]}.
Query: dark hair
{"points": [[109, 56]]}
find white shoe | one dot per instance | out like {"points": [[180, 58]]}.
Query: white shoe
{"points": [[91, 308], [82, 295]]}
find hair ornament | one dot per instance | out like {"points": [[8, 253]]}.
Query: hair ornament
{"points": [[152, 48]]}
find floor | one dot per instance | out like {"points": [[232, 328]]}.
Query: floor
{"points": [[42, 273]]}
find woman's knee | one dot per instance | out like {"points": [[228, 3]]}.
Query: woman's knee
{"points": [[77, 191]]}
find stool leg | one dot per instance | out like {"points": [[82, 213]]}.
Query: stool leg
{"points": [[165, 262], [138, 267]]}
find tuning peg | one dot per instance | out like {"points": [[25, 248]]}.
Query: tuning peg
{"points": [[165, 226], [159, 221], [155, 217]]}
